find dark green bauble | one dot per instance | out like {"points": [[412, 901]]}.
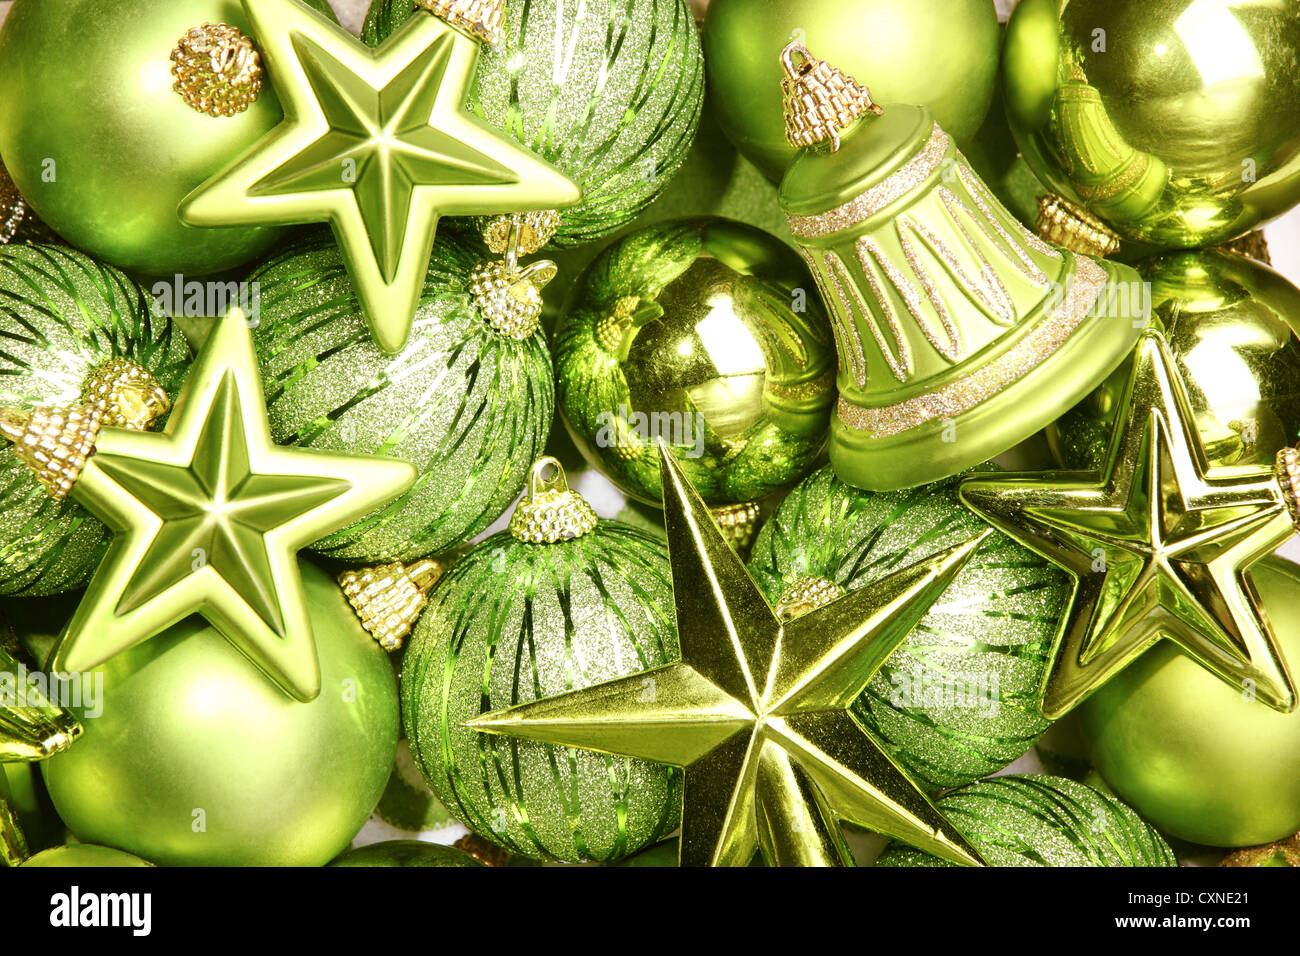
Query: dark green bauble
{"points": [[62, 314], [958, 699], [101, 145], [79, 855], [406, 853], [198, 759], [469, 407], [1043, 821]]}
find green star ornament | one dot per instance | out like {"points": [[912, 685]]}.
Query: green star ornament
{"points": [[1159, 550], [208, 516], [379, 143], [756, 711]]}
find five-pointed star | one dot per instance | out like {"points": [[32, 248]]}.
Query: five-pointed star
{"points": [[1158, 549], [208, 517], [757, 710], [379, 143]]}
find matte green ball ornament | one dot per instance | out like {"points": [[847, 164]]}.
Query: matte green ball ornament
{"points": [[942, 54], [468, 406], [197, 759], [404, 853], [105, 130], [83, 855], [707, 334], [958, 699], [1043, 821], [63, 318], [1201, 761], [561, 601]]}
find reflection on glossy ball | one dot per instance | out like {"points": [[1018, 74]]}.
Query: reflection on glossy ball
{"points": [[79, 855], [709, 335], [1175, 121]]}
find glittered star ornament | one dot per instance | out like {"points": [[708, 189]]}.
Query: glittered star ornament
{"points": [[208, 516], [756, 710], [1159, 550], [379, 143]]}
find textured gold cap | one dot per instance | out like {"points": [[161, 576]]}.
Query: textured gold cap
{"points": [[126, 393], [1287, 469], [218, 70], [55, 442], [820, 100], [389, 598], [520, 233], [510, 295], [1073, 227], [549, 511], [805, 595], [739, 523], [485, 19]]}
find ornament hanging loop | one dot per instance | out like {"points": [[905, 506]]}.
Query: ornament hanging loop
{"points": [[820, 100], [549, 511]]}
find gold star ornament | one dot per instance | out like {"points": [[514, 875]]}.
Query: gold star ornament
{"points": [[208, 515], [756, 710], [1159, 550], [380, 144]]}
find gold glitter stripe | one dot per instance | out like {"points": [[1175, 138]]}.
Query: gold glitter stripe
{"points": [[878, 197], [960, 397]]}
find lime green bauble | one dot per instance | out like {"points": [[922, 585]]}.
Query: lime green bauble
{"points": [[1201, 761], [406, 853], [958, 699], [516, 621], [62, 316], [468, 406], [1043, 821], [79, 855], [198, 759], [101, 145], [937, 53]]}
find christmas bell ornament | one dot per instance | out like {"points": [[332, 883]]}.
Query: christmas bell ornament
{"points": [[952, 319], [1175, 123], [388, 599], [31, 726], [558, 601]]}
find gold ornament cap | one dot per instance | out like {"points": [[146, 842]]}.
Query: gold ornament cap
{"points": [[520, 233], [807, 595], [549, 511], [820, 100], [1065, 224], [739, 523], [389, 598], [126, 393], [218, 70], [510, 295], [54, 441], [484, 19], [1287, 470]]}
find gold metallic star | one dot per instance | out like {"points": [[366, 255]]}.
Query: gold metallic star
{"points": [[379, 143], [1158, 549], [756, 711]]}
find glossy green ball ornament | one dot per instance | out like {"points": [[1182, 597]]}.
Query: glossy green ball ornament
{"points": [[1176, 123], [62, 316], [81, 855], [1201, 761], [1043, 821], [937, 53], [559, 602], [1233, 328], [958, 699], [406, 853], [707, 334], [468, 406], [197, 759], [102, 146]]}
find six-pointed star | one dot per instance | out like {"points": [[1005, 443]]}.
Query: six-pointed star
{"points": [[1159, 550], [378, 142], [208, 517], [757, 710]]}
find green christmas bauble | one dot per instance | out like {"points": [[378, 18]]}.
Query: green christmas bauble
{"points": [[1233, 327], [958, 699], [79, 855], [1043, 821], [892, 48], [468, 406], [102, 146], [515, 621], [705, 333], [1201, 761], [406, 853], [609, 93], [197, 759], [62, 316]]}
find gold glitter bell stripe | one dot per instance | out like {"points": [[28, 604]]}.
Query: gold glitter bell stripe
{"points": [[520, 233], [820, 100], [1283, 853], [739, 523], [126, 393], [13, 209], [549, 511], [218, 70], [1065, 224], [485, 19], [806, 595], [389, 598], [55, 442]]}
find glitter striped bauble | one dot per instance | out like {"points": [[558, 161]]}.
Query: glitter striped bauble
{"points": [[958, 699], [468, 407], [62, 315], [1043, 821]]}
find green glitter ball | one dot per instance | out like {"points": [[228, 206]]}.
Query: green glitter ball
{"points": [[608, 92], [958, 699], [514, 622], [61, 315], [468, 407], [1043, 821]]}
